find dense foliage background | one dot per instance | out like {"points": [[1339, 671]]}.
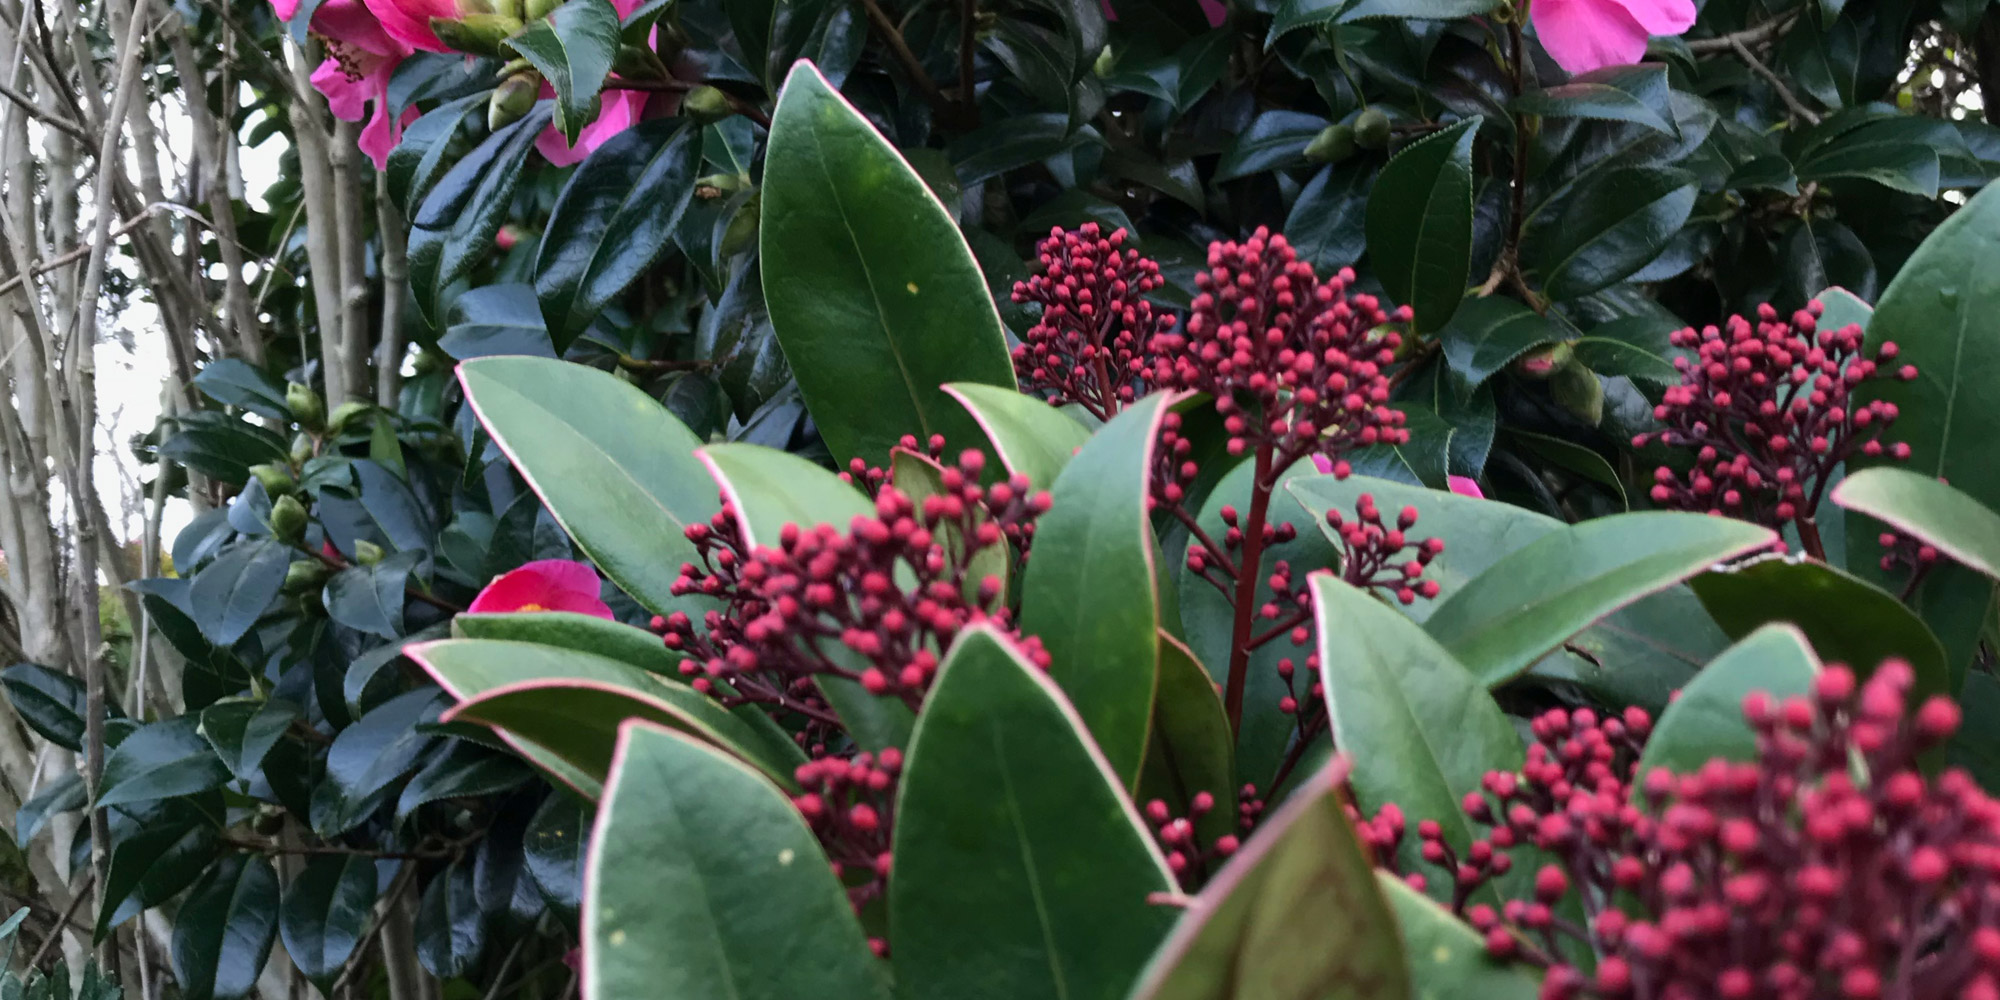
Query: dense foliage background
{"points": [[268, 766]]}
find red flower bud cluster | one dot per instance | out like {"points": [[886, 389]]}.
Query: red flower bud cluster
{"points": [[1831, 868], [876, 604], [1089, 346], [870, 479], [1294, 362], [1769, 410], [851, 807], [1190, 859]]}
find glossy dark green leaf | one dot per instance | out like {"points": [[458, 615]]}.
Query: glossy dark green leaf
{"points": [[1532, 599], [1447, 960], [750, 20], [370, 598], [1489, 332], [553, 848], [454, 227], [1898, 154], [1190, 749], [421, 158], [49, 701], [233, 382], [872, 290], [229, 594], [614, 467], [613, 220], [1328, 222], [324, 912], [368, 757], [1436, 10], [1021, 869], [1614, 223], [1295, 915], [464, 770], [1706, 721], [1935, 513], [62, 794], [1420, 727], [569, 702], [220, 446], [1846, 619], [152, 866], [732, 872], [1636, 94], [243, 731], [1275, 139], [450, 928], [1011, 143], [496, 319], [160, 760], [1420, 224], [574, 48], [223, 932], [1032, 438], [1089, 594]]}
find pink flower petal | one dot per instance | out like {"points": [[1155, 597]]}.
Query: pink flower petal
{"points": [[620, 110], [545, 585], [1584, 35], [285, 9], [1464, 487], [1323, 464], [1661, 17], [409, 21], [380, 136], [351, 25], [346, 96]]}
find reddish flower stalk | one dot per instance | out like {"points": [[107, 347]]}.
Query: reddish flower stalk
{"points": [[1296, 367], [1190, 859], [1831, 867], [1769, 410], [851, 807], [1089, 346]]}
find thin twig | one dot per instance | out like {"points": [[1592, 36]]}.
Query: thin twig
{"points": [[392, 897], [55, 934], [1784, 93], [900, 48], [1758, 34], [263, 847], [43, 115]]}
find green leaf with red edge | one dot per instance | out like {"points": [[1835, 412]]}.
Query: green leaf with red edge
{"points": [[1930, 511], [1422, 730], [1447, 959], [1190, 749], [1938, 311], [1021, 869], [1847, 619], [1088, 592], [736, 898], [615, 468], [569, 704], [871, 288], [1032, 438], [1296, 914], [1706, 721], [1532, 599]]}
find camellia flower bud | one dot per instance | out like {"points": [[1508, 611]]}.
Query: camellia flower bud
{"points": [[707, 105], [345, 413], [1334, 144], [288, 519], [306, 574], [1371, 129], [276, 479], [515, 97], [305, 405], [367, 553]]}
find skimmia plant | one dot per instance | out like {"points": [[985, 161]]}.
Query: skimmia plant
{"points": [[1145, 663], [1030, 498]]}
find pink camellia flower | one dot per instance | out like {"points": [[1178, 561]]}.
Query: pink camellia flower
{"points": [[410, 20], [360, 56], [1464, 487], [617, 111], [1583, 35], [546, 585]]}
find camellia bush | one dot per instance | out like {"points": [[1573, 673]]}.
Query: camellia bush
{"points": [[1051, 498]]}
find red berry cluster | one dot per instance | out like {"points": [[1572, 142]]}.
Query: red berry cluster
{"points": [[1294, 363], [1089, 346], [1190, 860], [1769, 409], [1831, 868], [851, 806], [875, 604]]}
